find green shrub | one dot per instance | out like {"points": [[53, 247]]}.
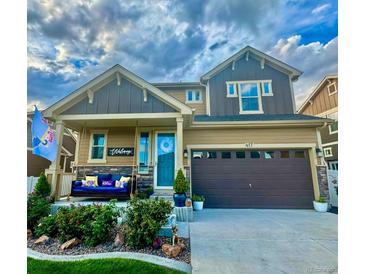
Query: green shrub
{"points": [[144, 219], [42, 187], [198, 198], [181, 185], [142, 195], [92, 224], [149, 190], [37, 208], [322, 199], [47, 226]]}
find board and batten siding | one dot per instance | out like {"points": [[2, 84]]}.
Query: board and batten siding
{"points": [[280, 103], [322, 102], [125, 98], [117, 137]]}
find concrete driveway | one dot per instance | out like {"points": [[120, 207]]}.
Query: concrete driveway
{"points": [[263, 241]]}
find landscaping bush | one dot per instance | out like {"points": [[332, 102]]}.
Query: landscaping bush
{"points": [[37, 208], [92, 224], [144, 219], [47, 226], [181, 185], [198, 198], [42, 187]]}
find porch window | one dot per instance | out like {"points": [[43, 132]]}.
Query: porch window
{"points": [[250, 98], [98, 147], [144, 144]]}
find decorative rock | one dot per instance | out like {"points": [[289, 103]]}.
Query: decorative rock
{"points": [[29, 234], [69, 244], [171, 250], [157, 243], [42, 240], [119, 239]]}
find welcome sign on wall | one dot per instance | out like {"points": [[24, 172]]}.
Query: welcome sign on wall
{"points": [[120, 151]]}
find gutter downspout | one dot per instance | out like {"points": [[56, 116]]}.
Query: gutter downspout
{"points": [[319, 139]]}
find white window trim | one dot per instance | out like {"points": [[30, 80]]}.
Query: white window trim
{"points": [[92, 132], [327, 151], [235, 89], [332, 132], [259, 111], [194, 92], [149, 150], [270, 88], [328, 89]]}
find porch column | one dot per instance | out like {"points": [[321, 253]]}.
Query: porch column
{"points": [[55, 168], [179, 144]]}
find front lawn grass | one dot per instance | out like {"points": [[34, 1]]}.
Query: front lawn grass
{"points": [[96, 266]]}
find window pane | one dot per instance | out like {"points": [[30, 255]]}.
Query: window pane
{"points": [[266, 87], [255, 154], [212, 155], [284, 154], [190, 95], [248, 89], [240, 154], [98, 139], [197, 96], [197, 154], [269, 154], [97, 153], [143, 152], [231, 89], [250, 104], [334, 126], [299, 154], [226, 154]]}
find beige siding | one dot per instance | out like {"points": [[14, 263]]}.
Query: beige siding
{"points": [[181, 96], [322, 101], [257, 136], [117, 137]]}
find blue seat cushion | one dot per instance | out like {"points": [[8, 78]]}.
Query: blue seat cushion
{"points": [[99, 189]]}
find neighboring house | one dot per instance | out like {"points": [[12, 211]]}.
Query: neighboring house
{"points": [[323, 102], [235, 133], [37, 164]]}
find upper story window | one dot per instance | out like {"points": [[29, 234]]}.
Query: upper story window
{"points": [[332, 88], [231, 89], [193, 96], [250, 97], [266, 88], [98, 146]]}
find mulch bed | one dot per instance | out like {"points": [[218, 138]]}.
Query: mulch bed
{"points": [[53, 248]]}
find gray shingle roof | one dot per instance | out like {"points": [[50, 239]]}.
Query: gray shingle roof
{"points": [[255, 117]]}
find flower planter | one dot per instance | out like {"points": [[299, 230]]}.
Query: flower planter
{"points": [[320, 207], [198, 205], [179, 199]]}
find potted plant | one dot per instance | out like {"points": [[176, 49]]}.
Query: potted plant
{"points": [[198, 202], [181, 186], [321, 204]]}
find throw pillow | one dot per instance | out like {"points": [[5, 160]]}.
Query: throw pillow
{"points": [[92, 178], [84, 183], [107, 183], [125, 179]]}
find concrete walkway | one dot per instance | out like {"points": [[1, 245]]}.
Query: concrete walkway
{"points": [[263, 241]]}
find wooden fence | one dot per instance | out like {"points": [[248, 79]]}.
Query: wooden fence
{"points": [[65, 183], [31, 181]]}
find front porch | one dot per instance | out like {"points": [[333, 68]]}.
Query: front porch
{"points": [[149, 146]]}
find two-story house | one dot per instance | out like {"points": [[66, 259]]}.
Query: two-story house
{"points": [[323, 102], [235, 132]]}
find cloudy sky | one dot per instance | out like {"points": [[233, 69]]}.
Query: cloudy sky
{"points": [[70, 42]]}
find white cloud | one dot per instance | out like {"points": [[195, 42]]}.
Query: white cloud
{"points": [[315, 59], [321, 8], [40, 105]]}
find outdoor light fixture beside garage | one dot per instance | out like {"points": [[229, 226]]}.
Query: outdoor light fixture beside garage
{"points": [[319, 152], [185, 153]]}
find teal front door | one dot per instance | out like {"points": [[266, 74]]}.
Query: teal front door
{"points": [[165, 159]]}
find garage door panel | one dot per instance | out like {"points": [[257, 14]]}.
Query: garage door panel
{"points": [[275, 183]]}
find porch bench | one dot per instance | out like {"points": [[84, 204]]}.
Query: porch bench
{"points": [[110, 192]]}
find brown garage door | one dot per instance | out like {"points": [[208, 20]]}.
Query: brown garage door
{"points": [[253, 179]]}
